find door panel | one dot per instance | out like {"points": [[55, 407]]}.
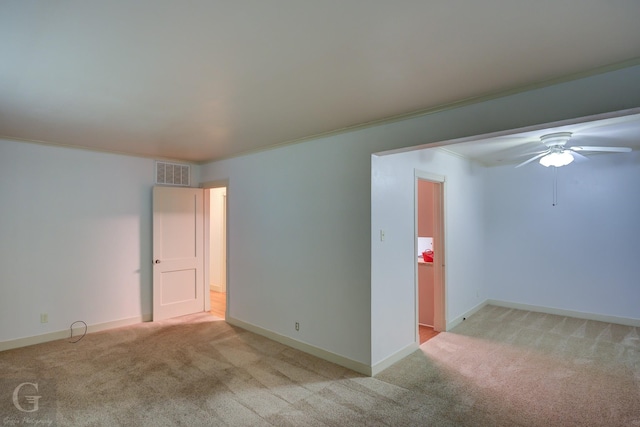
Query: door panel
{"points": [[178, 245], [178, 286]]}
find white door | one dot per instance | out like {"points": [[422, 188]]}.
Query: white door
{"points": [[178, 246]]}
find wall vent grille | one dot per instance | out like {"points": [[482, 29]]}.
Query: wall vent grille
{"points": [[173, 174]]}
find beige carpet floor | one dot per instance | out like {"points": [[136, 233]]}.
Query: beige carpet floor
{"points": [[500, 367]]}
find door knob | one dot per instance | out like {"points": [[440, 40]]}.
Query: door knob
{"points": [[157, 261]]}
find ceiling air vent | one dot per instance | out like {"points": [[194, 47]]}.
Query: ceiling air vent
{"points": [[173, 174]]}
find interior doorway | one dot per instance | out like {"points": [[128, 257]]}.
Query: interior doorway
{"points": [[216, 259], [429, 233]]}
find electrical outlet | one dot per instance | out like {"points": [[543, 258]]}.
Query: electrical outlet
{"points": [[44, 318], [297, 326]]}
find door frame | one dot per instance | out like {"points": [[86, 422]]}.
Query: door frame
{"points": [[224, 183], [439, 244]]}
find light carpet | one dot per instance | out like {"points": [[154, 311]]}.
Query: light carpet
{"points": [[501, 367]]}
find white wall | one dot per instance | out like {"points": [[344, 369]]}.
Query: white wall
{"points": [[75, 238], [580, 255], [393, 260], [298, 243], [300, 217]]}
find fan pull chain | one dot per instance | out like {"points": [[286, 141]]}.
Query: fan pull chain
{"points": [[555, 186]]}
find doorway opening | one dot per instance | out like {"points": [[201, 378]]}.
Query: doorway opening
{"points": [[216, 254], [429, 233]]}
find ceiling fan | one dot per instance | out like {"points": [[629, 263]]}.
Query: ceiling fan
{"points": [[558, 155]]}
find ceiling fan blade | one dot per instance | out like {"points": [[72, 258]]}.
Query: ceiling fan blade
{"points": [[533, 158], [602, 149], [577, 156], [532, 153]]}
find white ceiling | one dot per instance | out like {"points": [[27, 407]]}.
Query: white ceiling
{"points": [[203, 80]]}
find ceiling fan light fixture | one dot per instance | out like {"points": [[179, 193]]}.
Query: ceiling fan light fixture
{"points": [[557, 159], [556, 139], [557, 155]]}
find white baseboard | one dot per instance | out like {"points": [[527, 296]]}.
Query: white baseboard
{"points": [[455, 322], [216, 288], [396, 357], [628, 321], [307, 348], [78, 330]]}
